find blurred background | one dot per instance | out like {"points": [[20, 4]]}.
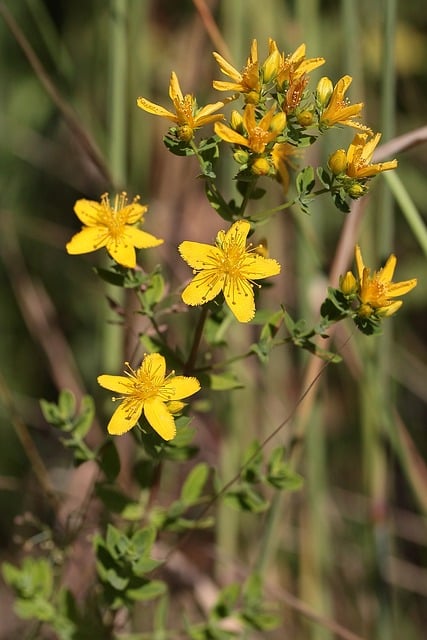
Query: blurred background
{"points": [[352, 544]]}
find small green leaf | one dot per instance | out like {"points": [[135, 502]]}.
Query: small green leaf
{"points": [[147, 591], [224, 382], [194, 483]]}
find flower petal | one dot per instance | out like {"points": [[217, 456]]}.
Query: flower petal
{"points": [[141, 239], [239, 296], [133, 212], [87, 240], [204, 287], [125, 417], [385, 274], [401, 288], [360, 266], [89, 212], [122, 251], [120, 384], [229, 135], [255, 267], [175, 92], [227, 68], [159, 418], [199, 255], [156, 109], [154, 366], [181, 387]]}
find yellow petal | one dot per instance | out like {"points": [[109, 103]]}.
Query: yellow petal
{"points": [[156, 109], [182, 387], [87, 240], [133, 212], [119, 384], [237, 233], [204, 287], [141, 239], [125, 417], [221, 85], [396, 289], [227, 68], [386, 273], [199, 255], [229, 135], [359, 262], [255, 267], [122, 251], [89, 212], [175, 92], [239, 296], [154, 365], [159, 418]]}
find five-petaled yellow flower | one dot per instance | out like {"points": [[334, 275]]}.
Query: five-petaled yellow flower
{"points": [[259, 134], [112, 227], [247, 81], [337, 109], [188, 117], [148, 390], [359, 156], [293, 66], [376, 292], [228, 266]]}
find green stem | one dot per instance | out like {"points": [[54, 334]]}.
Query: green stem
{"points": [[189, 365]]}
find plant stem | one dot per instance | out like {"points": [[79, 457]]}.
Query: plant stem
{"points": [[189, 365]]}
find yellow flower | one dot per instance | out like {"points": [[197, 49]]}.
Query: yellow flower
{"points": [[111, 227], [359, 156], [377, 291], [228, 266], [187, 115], [247, 81], [338, 110], [292, 67], [259, 134], [148, 389]]}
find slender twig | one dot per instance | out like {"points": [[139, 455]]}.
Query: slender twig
{"points": [[212, 28], [189, 365]]}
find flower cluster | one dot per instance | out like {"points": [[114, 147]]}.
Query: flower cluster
{"points": [[374, 293], [278, 119]]}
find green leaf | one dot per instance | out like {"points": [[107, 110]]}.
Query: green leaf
{"points": [[305, 181], [194, 483], [246, 499], [148, 591], [118, 582], [155, 290], [227, 601], [83, 422], [223, 382], [66, 403], [279, 473]]}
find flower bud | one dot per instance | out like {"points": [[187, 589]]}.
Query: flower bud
{"points": [[348, 284], [271, 66], [236, 121], [338, 162], [260, 167], [185, 133], [252, 97], [305, 118], [324, 91], [356, 190], [240, 156], [278, 122]]}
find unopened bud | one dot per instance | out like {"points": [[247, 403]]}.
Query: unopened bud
{"points": [[356, 191], [260, 167], [271, 66], [338, 162], [348, 284], [305, 118], [185, 133], [240, 156], [324, 91], [278, 122], [236, 121]]}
